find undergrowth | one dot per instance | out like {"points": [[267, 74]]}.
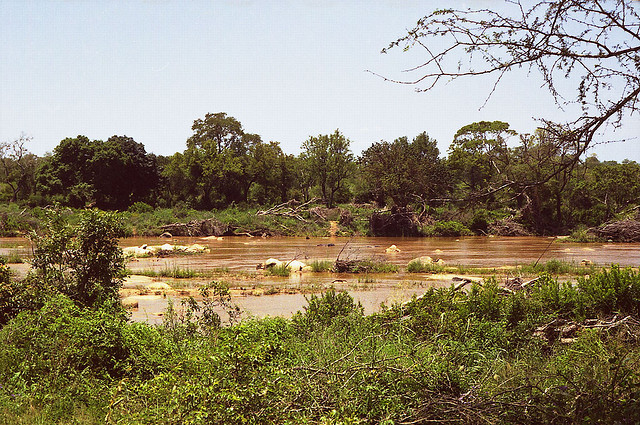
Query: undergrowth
{"points": [[554, 353]]}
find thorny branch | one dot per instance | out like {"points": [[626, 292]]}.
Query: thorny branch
{"points": [[594, 42]]}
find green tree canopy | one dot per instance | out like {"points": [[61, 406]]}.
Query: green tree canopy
{"points": [[404, 171], [110, 175], [330, 162]]}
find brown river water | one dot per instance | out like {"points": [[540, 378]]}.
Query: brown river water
{"points": [[240, 255]]}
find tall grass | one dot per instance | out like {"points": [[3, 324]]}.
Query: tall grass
{"points": [[319, 266], [557, 267], [174, 271], [278, 270]]}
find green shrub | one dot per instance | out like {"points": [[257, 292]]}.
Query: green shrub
{"points": [[614, 290], [82, 261], [446, 228], [324, 309]]}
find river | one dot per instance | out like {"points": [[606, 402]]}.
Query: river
{"points": [[241, 255]]}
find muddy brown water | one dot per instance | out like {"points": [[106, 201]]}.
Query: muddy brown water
{"points": [[240, 255]]}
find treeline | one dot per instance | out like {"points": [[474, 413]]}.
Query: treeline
{"points": [[490, 173]]}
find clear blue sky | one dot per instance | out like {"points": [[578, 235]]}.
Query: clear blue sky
{"points": [[285, 69]]}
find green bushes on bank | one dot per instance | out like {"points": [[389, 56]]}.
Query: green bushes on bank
{"points": [[556, 353]]}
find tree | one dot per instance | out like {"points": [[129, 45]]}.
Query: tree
{"points": [[122, 173], [65, 176], [593, 42], [217, 133], [330, 162], [404, 171], [18, 168], [479, 156], [215, 165], [110, 175]]}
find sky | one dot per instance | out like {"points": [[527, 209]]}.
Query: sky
{"points": [[287, 70]]}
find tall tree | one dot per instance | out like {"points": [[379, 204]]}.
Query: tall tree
{"points": [[65, 176], [18, 168], [404, 171], [217, 133], [122, 173], [110, 175], [330, 162], [478, 157]]}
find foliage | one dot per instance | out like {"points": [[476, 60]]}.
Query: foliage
{"points": [[17, 169], [319, 266], [174, 271], [404, 171], [479, 154], [322, 310], [82, 261], [110, 175], [327, 157], [590, 42], [419, 266], [364, 266], [446, 228], [448, 356], [556, 267]]}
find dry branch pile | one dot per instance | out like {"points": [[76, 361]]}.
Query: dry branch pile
{"points": [[620, 231], [289, 209], [207, 227], [397, 222], [508, 227]]}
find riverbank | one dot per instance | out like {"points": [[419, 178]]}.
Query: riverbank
{"points": [[314, 220], [552, 353]]}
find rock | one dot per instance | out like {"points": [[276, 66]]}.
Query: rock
{"points": [[271, 262], [166, 247], [391, 249], [158, 286], [296, 266], [423, 260], [130, 303], [136, 251], [196, 248]]}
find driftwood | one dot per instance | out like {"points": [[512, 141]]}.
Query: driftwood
{"points": [[620, 231], [288, 209], [565, 330], [207, 227], [508, 227], [397, 222]]}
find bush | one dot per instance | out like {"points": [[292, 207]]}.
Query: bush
{"points": [[321, 310], [446, 228], [82, 261]]}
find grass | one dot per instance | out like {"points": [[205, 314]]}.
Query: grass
{"points": [[319, 266], [374, 266], [419, 266], [557, 267], [175, 272], [13, 258], [278, 270]]}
